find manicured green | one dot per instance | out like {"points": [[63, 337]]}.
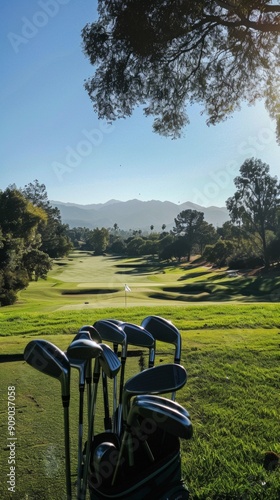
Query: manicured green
{"points": [[231, 352], [82, 281]]}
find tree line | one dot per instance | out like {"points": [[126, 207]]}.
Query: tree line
{"points": [[250, 238], [31, 235]]}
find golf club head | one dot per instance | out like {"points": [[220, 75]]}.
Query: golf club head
{"points": [[115, 321], [166, 418], [109, 361], [159, 400], [137, 335], [157, 380], [165, 331], [79, 363], [84, 349], [49, 359], [93, 333], [110, 331]]}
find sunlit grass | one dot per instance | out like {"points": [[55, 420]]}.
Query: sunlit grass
{"points": [[230, 351], [232, 394]]}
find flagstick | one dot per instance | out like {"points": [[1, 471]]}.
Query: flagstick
{"points": [[126, 289]]}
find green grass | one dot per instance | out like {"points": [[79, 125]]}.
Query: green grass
{"points": [[85, 282], [232, 394], [231, 351]]}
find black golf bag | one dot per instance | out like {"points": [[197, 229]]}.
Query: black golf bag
{"points": [[159, 479]]}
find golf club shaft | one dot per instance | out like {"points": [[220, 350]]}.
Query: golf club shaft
{"points": [[92, 406], [119, 411], [107, 418], [124, 441], [80, 439], [67, 451]]}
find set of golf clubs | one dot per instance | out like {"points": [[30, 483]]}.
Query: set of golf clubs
{"points": [[127, 413]]}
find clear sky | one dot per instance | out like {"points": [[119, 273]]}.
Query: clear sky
{"points": [[50, 132]]}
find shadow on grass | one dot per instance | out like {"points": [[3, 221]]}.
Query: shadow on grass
{"points": [[141, 268], [194, 275], [252, 289], [90, 291]]}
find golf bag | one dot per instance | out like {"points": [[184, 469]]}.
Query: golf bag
{"points": [[159, 479]]}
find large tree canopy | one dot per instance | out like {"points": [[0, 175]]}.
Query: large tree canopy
{"points": [[166, 54], [256, 202]]}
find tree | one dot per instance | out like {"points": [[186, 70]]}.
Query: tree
{"points": [[207, 235], [219, 253], [118, 247], [134, 246], [55, 241], [163, 55], [188, 224], [19, 217], [37, 264], [256, 201], [97, 240], [19, 221]]}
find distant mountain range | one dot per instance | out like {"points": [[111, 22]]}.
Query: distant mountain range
{"points": [[134, 214]]}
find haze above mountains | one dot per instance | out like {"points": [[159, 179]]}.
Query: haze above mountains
{"points": [[134, 214]]}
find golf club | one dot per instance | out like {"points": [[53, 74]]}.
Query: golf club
{"points": [[49, 359], [110, 364], [138, 336], [88, 331], [135, 336], [94, 335], [165, 331], [78, 359], [111, 332], [164, 402], [166, 418], [157, 380]]}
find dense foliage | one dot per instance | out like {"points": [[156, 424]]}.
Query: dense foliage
{"points": [[165, 55], [31, 233]]}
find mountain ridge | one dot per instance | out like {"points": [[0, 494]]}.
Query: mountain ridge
{"points": [[134, 214]]}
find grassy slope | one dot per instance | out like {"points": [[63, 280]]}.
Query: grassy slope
{"points": [[85, 282], [230, 351]]}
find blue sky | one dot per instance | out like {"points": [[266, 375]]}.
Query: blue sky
{"points": [[51, 133]]}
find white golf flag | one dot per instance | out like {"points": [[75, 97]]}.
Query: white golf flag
{"points": [[127, 289]]}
